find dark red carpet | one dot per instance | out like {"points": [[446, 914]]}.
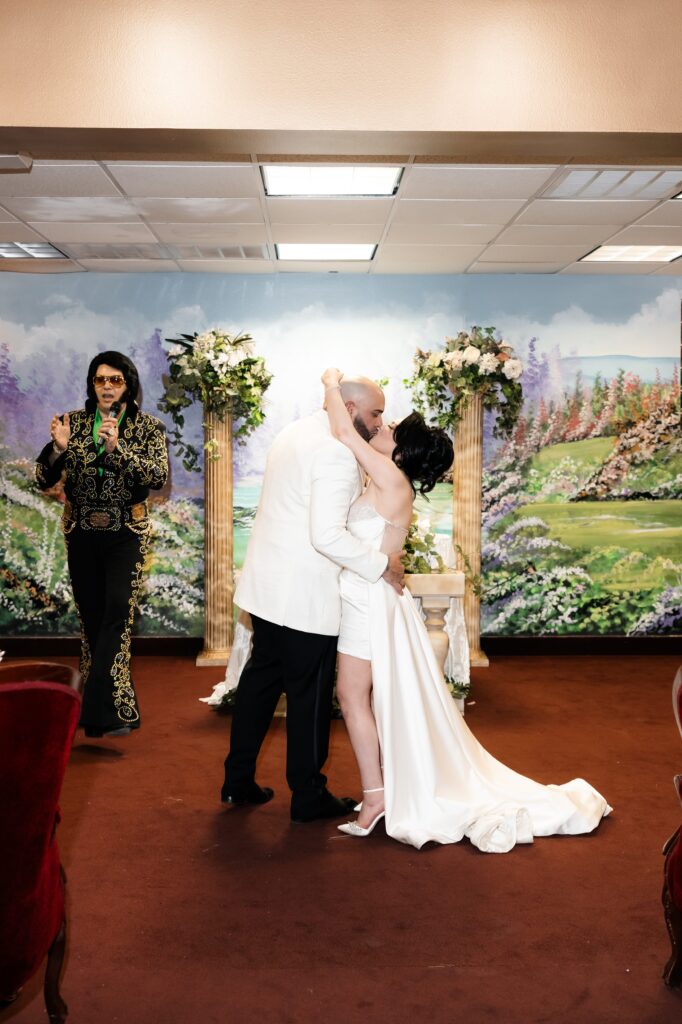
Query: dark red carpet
{"points": [[183, 911]]}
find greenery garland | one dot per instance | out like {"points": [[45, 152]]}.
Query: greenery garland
{"points": [[220, 371], [473, 363]]}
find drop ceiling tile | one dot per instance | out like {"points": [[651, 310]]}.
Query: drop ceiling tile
{"points": [[5, 215], [323, 267], [129, 266], [227, 266], [116, 251], [577, 211], [16, 232], [328, 211], [456, 211], [474, 182], [442, 234], [533, 253], [211, 234], [327, 232], [557, 234], [187, 180], [425, 259], [72, 178], [666, 213], [199, 211], [648, 234], [106, 231], [515, 268], [33, 266], [612, 269], [70, 208]]}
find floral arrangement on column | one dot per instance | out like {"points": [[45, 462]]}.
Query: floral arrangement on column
{"points": [[453, 387], [221, 371], [473, 363]]}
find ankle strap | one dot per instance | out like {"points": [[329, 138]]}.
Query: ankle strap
{"points": [[379, 790]]}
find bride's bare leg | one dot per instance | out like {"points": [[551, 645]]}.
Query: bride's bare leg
{"points": [[353, 690]]}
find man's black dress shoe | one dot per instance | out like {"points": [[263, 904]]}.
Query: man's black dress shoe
{"points": [[251, 794], [328, 806]]}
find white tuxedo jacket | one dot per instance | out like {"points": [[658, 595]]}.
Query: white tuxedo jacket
{"points": [[299, 542]]}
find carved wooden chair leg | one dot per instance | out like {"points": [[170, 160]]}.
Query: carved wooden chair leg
{"points": [[55, 1005]]}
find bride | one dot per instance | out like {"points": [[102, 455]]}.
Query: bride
{"points": [[422, 770]]}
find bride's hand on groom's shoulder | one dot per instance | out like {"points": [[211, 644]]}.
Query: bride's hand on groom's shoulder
{"points": [[331, 377]]}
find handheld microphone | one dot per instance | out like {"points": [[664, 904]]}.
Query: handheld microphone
{"points": [[115, 409]]}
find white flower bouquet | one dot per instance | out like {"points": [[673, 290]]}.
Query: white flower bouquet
{"points": [[221, 371], [473, 363]]}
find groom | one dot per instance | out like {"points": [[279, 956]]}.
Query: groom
{"points": [[290, 585]]}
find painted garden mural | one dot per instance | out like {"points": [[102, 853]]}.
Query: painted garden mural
{"points": [[582, 520]]}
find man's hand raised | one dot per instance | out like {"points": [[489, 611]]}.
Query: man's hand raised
{"points": [[395, 571]]}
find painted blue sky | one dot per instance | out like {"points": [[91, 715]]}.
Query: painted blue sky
{"points": [[573, 311]]}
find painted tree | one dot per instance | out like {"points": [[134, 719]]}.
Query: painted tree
{"points": [[598, 398]]}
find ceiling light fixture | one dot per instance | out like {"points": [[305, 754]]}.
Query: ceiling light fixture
{"points": [[31, 251], [328, 251], [633, 254], [337, 180]]}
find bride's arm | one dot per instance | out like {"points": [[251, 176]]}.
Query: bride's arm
{"points": [[379, 467]]}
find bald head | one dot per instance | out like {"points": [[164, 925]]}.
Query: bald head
{"points": [[365, 402], [358, 388]]}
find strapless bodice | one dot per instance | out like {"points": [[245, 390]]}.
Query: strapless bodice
{"points": [[367, 524]]}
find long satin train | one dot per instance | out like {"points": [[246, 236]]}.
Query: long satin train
{"points": [[440, 783]]}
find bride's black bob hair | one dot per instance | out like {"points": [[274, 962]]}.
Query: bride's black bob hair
{"points": [[423, 453]]}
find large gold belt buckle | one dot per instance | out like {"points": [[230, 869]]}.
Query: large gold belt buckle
{"points": [[99, 520]]}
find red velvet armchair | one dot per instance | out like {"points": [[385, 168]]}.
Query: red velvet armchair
{"points": [[39, 711], [672, 870]]}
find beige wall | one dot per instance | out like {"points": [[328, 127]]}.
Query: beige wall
{"points": [[376, 65]]}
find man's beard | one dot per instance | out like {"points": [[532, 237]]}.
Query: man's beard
{"points": [[361, 428]]}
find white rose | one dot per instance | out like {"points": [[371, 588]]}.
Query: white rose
{"points": [[471, 354], [489, 363], [454, 360], [512, 369], [434, 359], [176, 350]]}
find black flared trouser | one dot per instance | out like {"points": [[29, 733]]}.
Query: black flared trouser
{"points": [[106, 569], [301, 665]]}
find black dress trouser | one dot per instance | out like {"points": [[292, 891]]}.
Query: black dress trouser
{"points": [[106, 571], [301, 665]]}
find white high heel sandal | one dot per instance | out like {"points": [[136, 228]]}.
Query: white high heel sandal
{"points": [[351, 828]]}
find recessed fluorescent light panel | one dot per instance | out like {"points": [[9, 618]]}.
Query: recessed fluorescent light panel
{"points": [[30, 251], [633, 254], [338, 180], [324, 251]]}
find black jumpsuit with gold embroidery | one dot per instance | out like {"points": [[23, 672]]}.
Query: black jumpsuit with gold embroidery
{"points": [[107, 529]]}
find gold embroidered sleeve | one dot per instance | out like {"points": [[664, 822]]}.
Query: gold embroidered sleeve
{"points": [[145, 459], [47, 475]]}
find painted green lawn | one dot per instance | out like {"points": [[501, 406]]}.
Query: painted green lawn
{"points": [[588, 454], [653, 528]]}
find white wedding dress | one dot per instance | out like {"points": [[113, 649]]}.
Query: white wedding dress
{"points": [[440, 784]]}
